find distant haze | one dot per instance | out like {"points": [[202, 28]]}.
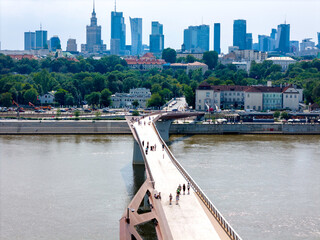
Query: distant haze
{"points": [[68, 18]]}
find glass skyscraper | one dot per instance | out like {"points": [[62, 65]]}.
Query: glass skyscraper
{"points": [[217, 38], [41, 39], [118, 34], [29, 40], [196, 38], [156, 38], [283, 38], [240, 33], [54, 43], [136, 36]]}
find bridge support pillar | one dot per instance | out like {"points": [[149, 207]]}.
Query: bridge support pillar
{"points": [[163, 129], [137, 155]]}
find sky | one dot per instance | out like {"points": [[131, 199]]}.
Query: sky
{"points": [[68, 18]]}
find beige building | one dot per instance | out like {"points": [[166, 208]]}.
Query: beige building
{"points": [[290, 98], [187, 66]]}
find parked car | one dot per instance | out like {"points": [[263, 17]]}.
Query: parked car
{"points": [[87, 110]]}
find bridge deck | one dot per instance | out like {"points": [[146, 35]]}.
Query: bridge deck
{"points": [[189, 219]]}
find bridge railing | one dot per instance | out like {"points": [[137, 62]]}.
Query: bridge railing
{"points": [[213, 210], [144, 156]]}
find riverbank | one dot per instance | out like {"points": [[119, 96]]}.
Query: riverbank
{"points": [[46, 127]]}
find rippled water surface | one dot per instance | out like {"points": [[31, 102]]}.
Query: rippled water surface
{"points": [[77, 187]]}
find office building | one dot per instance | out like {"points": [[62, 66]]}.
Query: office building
{"points": [[318, 39], [94, 44], [29, 40], [41, 39], [294, 46], [156, 38], [196, 38], [54, 44], [72, 45], [118, 34], [283, 38], [136, 36], [306, 44], [217, 38], [240, 33], [249, 40], [273, 33]]}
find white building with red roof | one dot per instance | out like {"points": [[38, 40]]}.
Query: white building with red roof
{"points": [[146, 62]]}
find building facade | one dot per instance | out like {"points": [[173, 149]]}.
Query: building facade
{"points": [[283, 38], [156, 38], [146, 62], [125, 100], [284, 62], [196, 38], [118, 34], [187, 66], [41, 39], [240, 33], [72, 45], [257, 98], [136, 36], [47, 98]]}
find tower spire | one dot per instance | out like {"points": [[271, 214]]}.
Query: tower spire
{"points": [[115, 5], [94, 7]]}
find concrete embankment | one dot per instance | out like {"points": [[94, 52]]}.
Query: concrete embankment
{"points": [[64, 127], [247, 128], [121, 127]]}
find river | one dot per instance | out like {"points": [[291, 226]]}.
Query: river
{"points": [[77, 187]]}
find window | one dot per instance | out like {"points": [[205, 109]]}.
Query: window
{"points": [[286, 96], [295, 96], [238, 94], [199, 100], [290, 96], [248, 107], [248, 95], [208, 94]]}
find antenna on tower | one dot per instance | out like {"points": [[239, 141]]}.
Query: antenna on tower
{"points": [[285, 19], [94, 6], [40, 26], [115, 5]]}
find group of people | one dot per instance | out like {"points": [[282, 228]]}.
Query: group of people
{"points": [[183, 188], [152, 148]]}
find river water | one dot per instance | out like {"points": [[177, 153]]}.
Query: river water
{"points": [[78, 187]]}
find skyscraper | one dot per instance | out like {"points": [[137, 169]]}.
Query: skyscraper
{"points": [[156, 38], [318, 39], [136, 36], [240, 33], [54, 43], [249, 41], [29, 40], [196, 38], [41, 39], [283, 38], [118, 34], [71, 45], [217, 38], [94, 43]]}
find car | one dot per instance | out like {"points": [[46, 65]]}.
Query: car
{"points": [[105, 110], [87, 110], [63, 110]]}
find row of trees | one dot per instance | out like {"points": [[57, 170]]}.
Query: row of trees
{"points": [[110, 75]]}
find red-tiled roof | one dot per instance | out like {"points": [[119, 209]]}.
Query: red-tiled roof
{"points": [[263, 89], [144, 61], [20, 56]]}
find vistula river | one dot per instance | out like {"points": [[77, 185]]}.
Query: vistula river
{"points": [[78, 187]]}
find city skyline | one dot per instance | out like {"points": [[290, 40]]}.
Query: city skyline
{"points": [[67, 25]]}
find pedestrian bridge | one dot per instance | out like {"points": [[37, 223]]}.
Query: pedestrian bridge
{"points": [[194, 216]]}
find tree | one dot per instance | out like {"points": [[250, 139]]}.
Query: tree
{"points": [[30, 95], [276, 114], [210, 58], [59, 96], [155, 100], [105, 97], [69, 99], [135, 103], [190, 59], [189, 94], [285, 115], [6, 99], [93, 98], [169, 55]]}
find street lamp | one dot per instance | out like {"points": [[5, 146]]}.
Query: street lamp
{"points": [[128, 219]]}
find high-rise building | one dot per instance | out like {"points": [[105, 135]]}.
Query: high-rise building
{"points": [[306, 43], [283, 38], [41, 39], [196, 38], [72, 45], [217, 38], [136, 36], [156, 38], [118, 34], [273, 33], [94, 44], [318, 39], [240, 33], [294, 46], [29, 40], [249, 40], [54, 44]]}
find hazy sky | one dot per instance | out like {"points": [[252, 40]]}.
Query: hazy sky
{"points": [[68, 18]]}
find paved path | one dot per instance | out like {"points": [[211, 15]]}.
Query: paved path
{"points": [[188, 219]]}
